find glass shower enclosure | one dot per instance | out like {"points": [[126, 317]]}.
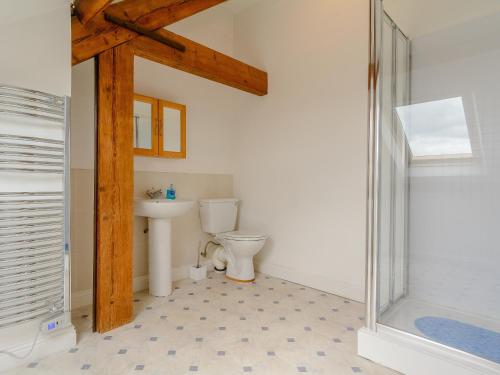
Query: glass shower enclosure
{"points": [[433, 295]]}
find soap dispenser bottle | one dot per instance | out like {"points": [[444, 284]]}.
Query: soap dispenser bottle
{"points": [[171, 192]]}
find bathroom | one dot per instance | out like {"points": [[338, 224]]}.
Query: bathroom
{"points": [[295, 158], [222, 161]]}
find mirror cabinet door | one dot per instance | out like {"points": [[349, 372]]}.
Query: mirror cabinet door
{"points": [[145, 125], [172, 137]]}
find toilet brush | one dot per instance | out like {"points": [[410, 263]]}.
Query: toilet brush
{"points": [[198, 255], [198, 272]]}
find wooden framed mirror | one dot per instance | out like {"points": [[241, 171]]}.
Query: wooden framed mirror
{"points": [[172, 135], [145, 125]]}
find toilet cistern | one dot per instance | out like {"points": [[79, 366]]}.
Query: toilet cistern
{"points": [[160, 213]]}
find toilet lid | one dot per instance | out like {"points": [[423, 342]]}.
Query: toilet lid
{"points": [[244, 236]]}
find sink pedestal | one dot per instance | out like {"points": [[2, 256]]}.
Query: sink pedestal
{"points": [[160, 213], [160, 257]]}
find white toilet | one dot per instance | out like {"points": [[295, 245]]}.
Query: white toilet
{"points": [[218, 217]]}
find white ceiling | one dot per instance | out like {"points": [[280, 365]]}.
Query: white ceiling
{"points": [[15, 10]]}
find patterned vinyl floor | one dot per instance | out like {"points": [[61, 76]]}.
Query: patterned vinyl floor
{"points": [[219, 327]]}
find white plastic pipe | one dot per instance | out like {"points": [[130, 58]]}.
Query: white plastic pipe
{"points": [[219, 258]]}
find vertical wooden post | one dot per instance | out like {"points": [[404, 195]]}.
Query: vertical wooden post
{"points": [[113, 297]]}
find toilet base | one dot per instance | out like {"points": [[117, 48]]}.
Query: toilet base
{"points": [[238, 280], [241, 270]]}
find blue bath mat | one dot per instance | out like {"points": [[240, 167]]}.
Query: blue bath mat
{"points": [[475, 340]]}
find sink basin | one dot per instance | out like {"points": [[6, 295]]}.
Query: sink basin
{"points": [[161, 208], [160, 213]]}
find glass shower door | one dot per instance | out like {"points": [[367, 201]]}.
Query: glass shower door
{"points": [[393, 162]]}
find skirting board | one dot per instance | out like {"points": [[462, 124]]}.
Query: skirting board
{"points": [[325, 284], [412, 355], [84, 297]]}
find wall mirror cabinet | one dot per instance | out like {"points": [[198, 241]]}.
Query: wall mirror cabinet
{"points": [[159, 128]]}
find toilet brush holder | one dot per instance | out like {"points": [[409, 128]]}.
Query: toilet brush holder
{"points": [[197, 272]]}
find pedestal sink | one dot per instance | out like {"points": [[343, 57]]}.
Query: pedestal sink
{"points": [[160, 213]]}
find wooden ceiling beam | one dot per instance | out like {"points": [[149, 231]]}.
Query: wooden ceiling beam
{"points": [[98, 35], [156, 14], [202, 61], [94, 38], [85, 10], [141, 31]]}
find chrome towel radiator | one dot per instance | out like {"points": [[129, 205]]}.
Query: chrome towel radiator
{"points": [[34, 207]]}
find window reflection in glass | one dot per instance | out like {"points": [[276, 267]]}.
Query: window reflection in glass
{"points": [[436, 129]]}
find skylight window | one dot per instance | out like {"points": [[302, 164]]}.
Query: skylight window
{"points": [[436, 129]]}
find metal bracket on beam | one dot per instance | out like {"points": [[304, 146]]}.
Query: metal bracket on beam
{"points": [[142, 31]]}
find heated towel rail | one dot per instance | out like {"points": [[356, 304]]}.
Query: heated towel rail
{"points": [[34, 205]]}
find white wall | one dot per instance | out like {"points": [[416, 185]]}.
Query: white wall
{"points": [[82, 181], [83, 115], [36, 45], [454, 206], [210, 119], [211, 114], [420, 17], [302, 157], [212, 28]]}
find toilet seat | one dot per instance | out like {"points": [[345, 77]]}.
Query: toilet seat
{"points": [[241, 235]]}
